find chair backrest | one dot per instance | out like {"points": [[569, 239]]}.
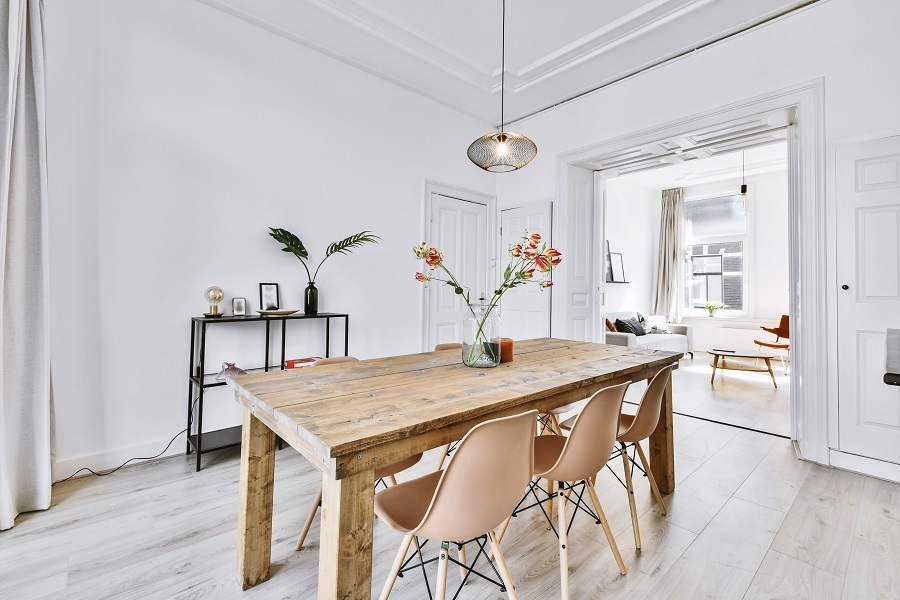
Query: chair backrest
{"points": [[484, 479], [784, 327], [334, 360], [449, 346], [647, 417], [592, 438]]}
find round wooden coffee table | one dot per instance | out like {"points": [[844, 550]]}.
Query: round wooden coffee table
{"points": [[741, 360]]}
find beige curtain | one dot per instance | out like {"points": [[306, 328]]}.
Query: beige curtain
{"points": [[667, 292], [25, 396]]}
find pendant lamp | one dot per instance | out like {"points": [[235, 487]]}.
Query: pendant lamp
{"points": [[502, 151], [741, 204]]}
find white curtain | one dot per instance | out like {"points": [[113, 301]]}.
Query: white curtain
{"points": [[25, 395], [668, 295]]}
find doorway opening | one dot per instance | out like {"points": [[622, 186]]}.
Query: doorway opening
{"points": [[735, 256]]}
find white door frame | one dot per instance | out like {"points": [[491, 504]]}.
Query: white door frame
{"points": [[814, 345], [429, 187]]}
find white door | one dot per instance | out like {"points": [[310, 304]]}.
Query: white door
{"points": [[868, 254], [525, 310], [459, 231], [578, 255]]}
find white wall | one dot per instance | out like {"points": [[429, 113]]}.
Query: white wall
{"points": [[632, 228], [177, 135]]}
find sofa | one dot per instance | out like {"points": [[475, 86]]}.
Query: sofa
{"points": [[679, 339]]}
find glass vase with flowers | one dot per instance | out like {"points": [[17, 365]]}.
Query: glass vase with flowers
{"points": [[531, 262]]}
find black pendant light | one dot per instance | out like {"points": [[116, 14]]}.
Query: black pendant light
{"points": [[502, 151], [741, 204]]}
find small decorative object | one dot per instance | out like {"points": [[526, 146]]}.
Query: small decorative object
{"points": [[278, 312], [239, 307], [229, 370], [481, 343], [293, 245], [214, 295], [299, 363], [617, 268], [712, 307], [502, 151], [268, 296], [506, 350]]}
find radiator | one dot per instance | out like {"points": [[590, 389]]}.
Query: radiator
{"points": [[741, 338]]}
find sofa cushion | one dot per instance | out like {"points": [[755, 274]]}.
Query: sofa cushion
{"points": [[610, 326], [630, 326]]}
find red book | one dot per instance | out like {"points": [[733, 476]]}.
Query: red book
{"points": [[297, 363]]}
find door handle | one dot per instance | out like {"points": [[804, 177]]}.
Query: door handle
{"points": [[845, 287]]}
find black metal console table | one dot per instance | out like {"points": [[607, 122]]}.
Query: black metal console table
{"points": [[201, 380]]}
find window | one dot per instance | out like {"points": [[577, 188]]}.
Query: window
{"points": [[715, 239]]}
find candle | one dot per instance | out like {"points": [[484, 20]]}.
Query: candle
{"points": [[506, 350]]}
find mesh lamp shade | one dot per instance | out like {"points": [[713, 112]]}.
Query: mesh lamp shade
{"points": [[502, 152]]}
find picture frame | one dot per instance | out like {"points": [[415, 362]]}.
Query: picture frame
{"points": [[268, 296], [608, 263], [239, 307], [617, 268]]}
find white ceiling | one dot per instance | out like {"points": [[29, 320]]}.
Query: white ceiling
{"points": [[763, 159], [450, 50]]}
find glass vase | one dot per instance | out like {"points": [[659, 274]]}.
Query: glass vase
{"points": [[481, 336]]}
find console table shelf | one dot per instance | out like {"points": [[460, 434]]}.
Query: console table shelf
{"points": [[199, 380]]}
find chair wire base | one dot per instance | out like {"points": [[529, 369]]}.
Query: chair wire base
{"points": [[634, 464], [481, 542], [564, 490]]}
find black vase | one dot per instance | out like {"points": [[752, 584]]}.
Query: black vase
{"points": [[311, 299]]}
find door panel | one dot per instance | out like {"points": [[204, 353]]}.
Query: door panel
{"points": [[525, 311], [459, 231], [868, 229]]}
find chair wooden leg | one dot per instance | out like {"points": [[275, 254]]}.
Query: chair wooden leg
{"points": [[653, 486], [444, 450], [309, 519], [551, 487], [443, 562], [503, 567], [595, 500], [555, 421], [392, 479], [395, 569], [563, 548], [462, 559], [500, 535], [631, 504]]}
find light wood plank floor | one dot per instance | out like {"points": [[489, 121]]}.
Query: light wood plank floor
{"points": [[747, 521], [740, 398]]}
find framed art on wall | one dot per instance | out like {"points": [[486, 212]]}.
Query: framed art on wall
{"points": [[616, 267], [268, 296]]}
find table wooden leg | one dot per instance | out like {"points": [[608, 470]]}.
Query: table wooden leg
{"points": [[345, 557], [255, 510], [662, 446], [715, 364], [769, 366]]}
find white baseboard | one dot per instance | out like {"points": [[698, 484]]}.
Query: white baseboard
{"points": [[111, 459], [866, 466]]}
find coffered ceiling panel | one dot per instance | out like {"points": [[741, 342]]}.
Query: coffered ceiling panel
{"points": [[450, 50]]}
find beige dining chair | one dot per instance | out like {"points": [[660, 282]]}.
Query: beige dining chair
{"points": [[441, 506], [574, 462], [447, 448], [385, 473], [633, 429]]}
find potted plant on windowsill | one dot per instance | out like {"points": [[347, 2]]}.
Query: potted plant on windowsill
{"points": [[293, 245], [481, 325], [712, 307]]}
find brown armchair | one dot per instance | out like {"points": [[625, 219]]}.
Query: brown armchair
{"points": [[783, 331]]}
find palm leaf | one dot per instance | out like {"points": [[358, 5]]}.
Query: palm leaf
{"points": [[291, 242], [348, 244]]}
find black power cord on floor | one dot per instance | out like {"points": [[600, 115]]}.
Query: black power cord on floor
{"points": [[111, 471]]}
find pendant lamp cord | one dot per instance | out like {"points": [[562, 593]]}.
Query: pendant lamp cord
{"points": [[502, 62]]}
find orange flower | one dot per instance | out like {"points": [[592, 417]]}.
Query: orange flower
{"points": [[422, 277], [531, 253], [546, 283], [515, 250], [533, 239], [526, 274], [432, 257], [549, 259]]}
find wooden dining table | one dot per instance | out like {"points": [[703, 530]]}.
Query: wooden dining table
{"points": [[349, 418]]}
